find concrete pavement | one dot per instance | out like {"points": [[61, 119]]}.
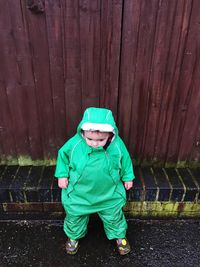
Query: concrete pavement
{"points": [[155, 243]]}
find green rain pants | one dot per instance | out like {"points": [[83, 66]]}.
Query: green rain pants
{"points": [[114, 222]]}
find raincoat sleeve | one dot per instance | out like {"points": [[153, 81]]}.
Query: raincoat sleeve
{"points": [[127, 173], [62, 165]]}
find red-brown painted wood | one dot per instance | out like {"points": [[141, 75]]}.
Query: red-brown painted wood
{"points": [[139, 58], [72, 66], [38, 38], [110, 34]]}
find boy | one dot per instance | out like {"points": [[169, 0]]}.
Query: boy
{"points": [[93, 168]]}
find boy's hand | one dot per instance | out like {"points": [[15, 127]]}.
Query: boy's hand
{"points": [[128, 185], [63, 182]]}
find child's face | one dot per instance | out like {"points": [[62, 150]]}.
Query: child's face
{"points": [[96, 139]]}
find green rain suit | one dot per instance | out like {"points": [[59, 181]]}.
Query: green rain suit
{"points": [[96, 177]]}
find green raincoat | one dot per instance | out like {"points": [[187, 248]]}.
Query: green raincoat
{"points": [[96, 177]]}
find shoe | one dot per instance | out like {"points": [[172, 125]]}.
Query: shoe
{"points": [[71, 246], [123, 246]]}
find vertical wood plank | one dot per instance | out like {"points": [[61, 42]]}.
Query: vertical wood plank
{"points": [[55, 31], [72, 67], [24, 65], [147, 35], [110, 29], [8, 148], [191, 80], [90, 52], [183, 88], [164, 20], [139, 90], [37, 29], [12, 81], [127, 92], [169, 84], [194, 155]]}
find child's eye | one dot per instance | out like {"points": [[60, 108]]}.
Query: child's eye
{"points": [[101, 140]]}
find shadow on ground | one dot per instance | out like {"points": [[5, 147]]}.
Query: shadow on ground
{"points": [[155, 243]]}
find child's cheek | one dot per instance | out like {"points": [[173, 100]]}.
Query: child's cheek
{"points": [[88, 142], [103, 143]]}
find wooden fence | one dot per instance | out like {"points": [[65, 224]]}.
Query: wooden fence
{"points": [[140, 58]]}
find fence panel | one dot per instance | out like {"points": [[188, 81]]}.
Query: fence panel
{"points": [[139, 58]]}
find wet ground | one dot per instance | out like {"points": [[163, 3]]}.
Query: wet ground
{"points": [[155, 243]]}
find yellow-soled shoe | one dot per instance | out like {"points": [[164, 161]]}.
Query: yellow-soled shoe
{"points": [[71, 246], [123, 246]]}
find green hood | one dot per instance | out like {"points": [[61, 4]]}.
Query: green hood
{"points": [[98, 119]]}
